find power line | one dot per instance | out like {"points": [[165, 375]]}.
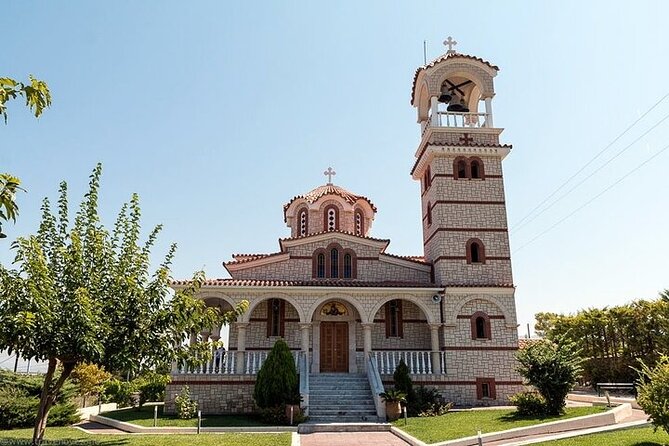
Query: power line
{"points": [[620, 180], [624, 149], [559, 188]]}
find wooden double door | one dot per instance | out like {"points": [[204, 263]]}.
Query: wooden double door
{"points": [[334, 347]]}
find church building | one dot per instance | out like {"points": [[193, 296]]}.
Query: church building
{"points": [[350, 309]]}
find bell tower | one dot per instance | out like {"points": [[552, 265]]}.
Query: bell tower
{"points": [[459, 164]]}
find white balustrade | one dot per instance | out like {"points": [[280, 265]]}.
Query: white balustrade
{"points": [[221, 363], [418, 362], [254, 360], [459, 119]]}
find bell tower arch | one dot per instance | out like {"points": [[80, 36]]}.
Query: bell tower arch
{"points": [[459, 164]]}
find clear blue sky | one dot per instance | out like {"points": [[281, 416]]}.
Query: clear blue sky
{"points": [[217, 113]]}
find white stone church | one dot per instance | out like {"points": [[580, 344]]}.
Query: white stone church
{"points": [[350, 309]]}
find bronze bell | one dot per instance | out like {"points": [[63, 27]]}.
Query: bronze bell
{"points": [[445, 95], [457, 106]]}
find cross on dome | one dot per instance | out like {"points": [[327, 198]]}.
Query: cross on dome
{"points": [[329, 173], [450, 43]]}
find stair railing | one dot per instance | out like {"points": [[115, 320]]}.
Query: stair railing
{"points": [[377, 386], [304, 380]]}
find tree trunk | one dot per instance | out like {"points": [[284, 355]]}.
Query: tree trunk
{"points": [[48, 396]]}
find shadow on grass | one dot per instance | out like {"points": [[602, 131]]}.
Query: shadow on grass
{"points": [[144, 417], [5, 441], [649, 443]]}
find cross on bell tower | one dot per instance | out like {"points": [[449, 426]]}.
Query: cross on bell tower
{"points": [[450, 43], [329, 173]]}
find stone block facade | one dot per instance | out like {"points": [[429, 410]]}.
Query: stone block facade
{"points": [[214, 394]]}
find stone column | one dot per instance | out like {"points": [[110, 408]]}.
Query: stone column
{"points": [[435, 353], [304, 330], [215, 334], [488, 112], [367, 340], [241, 347], [434, 106]]}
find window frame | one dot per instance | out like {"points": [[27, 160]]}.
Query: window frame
{"points": [[399, 319], [487, 329], [276, 317], [326, 211], [469, 252]]}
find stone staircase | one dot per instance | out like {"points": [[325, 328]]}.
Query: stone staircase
{"points": [[340, 398]]}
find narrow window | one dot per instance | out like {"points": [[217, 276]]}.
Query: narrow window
{"points": [[462, 169], [334, 263], [429, 213], [480, 328], [485, 390], [331, 219], [320, 266], [428, 176], [394, 319], [348, 266], [475, 254], [475, 169], [275, 316], [303, 222], [359, 229]]}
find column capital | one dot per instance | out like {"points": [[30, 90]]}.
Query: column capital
{"points": [[305, 325], [241, 325], [367, 325], [435, 326]]}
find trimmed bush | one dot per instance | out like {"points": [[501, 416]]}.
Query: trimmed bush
{"points": [[529, 403], [151, 386], [276, 383], [186, 407], [120, 392], [19, 400]]}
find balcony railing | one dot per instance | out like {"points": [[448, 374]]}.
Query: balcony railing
{"points": [[458, 119], [225, 363], [418, 362]]}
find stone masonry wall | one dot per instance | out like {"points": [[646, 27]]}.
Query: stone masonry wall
{"points": [[214, 394]]}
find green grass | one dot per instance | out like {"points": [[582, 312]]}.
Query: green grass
{"points": [[465, 423], [631, 437], [72, 436], [144, 417]]}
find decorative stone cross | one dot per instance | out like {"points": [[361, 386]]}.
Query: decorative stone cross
{"points": [[329, 173], [450, 43], [466, 139]]}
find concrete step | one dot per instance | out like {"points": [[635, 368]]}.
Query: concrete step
{"points": [[318, 426], [341, 402]]}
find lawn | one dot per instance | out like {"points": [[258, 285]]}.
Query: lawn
{"points": [[144, 417], [631, 437], [459, 424], [72, 436]]}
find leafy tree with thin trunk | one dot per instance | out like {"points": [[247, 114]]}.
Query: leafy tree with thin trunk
{"points": [[84, 294], [552, 368]]}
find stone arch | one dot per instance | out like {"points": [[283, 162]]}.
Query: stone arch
{"points": [[335, 296], [423, 102], [417, 302], [208, 298], [452, 317], [481, 79], [253, 304]]}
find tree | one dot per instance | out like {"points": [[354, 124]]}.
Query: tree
{"points": [[276, 383], [82, 293], [36, 94], [552, 368], [38, 97], [89, 379], [653, 392]]}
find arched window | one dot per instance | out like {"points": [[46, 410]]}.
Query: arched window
{"points": [[475, 251], [480, 326], [320, 266], [348, 266], [460, 168], [303, 216], [427, 178], [359, 223], [429, 213], [331, 218], [476, 173], [476, 168], [334, 263]]}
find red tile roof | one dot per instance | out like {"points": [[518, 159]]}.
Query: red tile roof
{"points": [[335, 232], [415, 259], [441, 59], [486, 285], [241, 258], [328, 189], [341, 283]]}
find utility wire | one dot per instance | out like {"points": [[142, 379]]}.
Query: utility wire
{"points": [[620, 180], [624, 149], [552, 194]]}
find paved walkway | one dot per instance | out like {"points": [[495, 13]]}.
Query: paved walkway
{"points": [[351, 439], [97, 428]]}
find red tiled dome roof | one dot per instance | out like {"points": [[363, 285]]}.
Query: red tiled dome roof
{"points": [[330, 189]]}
